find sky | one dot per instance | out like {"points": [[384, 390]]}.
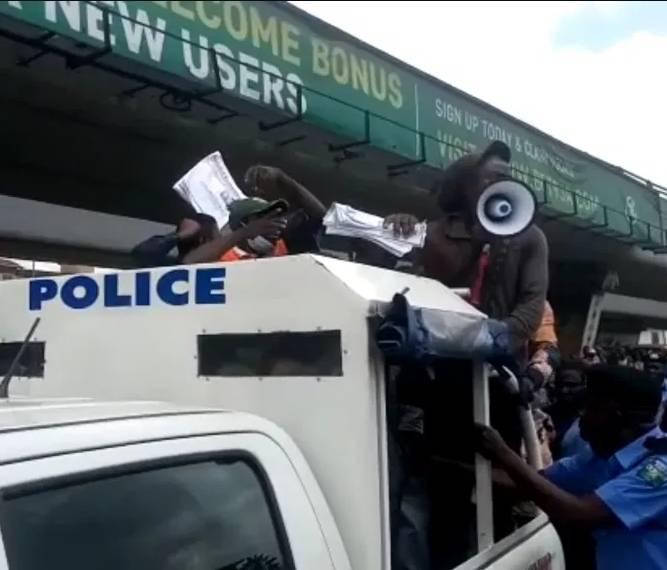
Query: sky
{"points": [[592, 74]]}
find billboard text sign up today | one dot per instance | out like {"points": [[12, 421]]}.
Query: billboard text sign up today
{"points": [[272, 54]]}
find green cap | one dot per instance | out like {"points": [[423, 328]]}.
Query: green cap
{"points": [[241, 210]]}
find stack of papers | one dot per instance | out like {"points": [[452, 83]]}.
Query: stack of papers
{"points": [[210, 188], [344, 220]]}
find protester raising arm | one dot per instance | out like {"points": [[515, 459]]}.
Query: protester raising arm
{"points": [[271, 183], [304, 218]]}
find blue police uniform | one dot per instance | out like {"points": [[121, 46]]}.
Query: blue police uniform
{"points": [[572, 442], [633, 485]]}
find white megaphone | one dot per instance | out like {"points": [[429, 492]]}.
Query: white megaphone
{"points": [[506, 208]]}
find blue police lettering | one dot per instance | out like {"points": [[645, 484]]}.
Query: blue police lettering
{"points": [[88, 289], [112, 297], [176, 287], [165, 287], [41, 290]]}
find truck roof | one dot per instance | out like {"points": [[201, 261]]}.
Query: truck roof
{"points": [[33, 428]]}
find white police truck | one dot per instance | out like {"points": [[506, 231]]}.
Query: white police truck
{"points": [[288, 340]]}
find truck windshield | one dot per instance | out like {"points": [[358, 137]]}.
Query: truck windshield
{"points": [[208, 515]]}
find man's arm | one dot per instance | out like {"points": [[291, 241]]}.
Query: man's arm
{"points": [[588, 510], [526, 316], [301, 197], [272, 183], [499, 477], [154, 252], [213, 250]]}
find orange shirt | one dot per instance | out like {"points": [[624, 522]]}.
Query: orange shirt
{"points": [[238, 254], [546, 332]]}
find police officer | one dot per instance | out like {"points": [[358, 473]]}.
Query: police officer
{"points": [[617, 489]]}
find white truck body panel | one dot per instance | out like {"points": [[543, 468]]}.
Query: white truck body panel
{"points": [[149, 351], [50, 440]]}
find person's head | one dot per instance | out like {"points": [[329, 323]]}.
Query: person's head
{"points": [[653, 363], [245, 211], [621, 404], [465, 179], [590, 355], [569, 387], [200, 228]]}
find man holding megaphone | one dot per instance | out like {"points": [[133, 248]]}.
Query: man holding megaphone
{"points": [[485, 239]]}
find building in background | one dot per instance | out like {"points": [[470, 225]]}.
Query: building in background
{"points": [[106, 105], [23, 269]]}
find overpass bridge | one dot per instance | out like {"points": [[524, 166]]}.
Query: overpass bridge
{"points": [[105, 105]]}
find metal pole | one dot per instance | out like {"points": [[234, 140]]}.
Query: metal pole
{"points": [[592, 320], [13, 367], [483, 481]]}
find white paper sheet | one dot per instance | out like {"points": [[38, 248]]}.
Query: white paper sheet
{"points": [[344, 220], [210, 188]]}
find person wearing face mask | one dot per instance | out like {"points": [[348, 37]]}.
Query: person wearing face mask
{"points": [[305, 213], [254, 230], [259, 226], [280, 218]]}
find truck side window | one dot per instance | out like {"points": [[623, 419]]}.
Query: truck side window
{"points": [[309, 353], [211, 514], [32, 363]]}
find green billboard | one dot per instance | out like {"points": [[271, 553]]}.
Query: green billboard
{"points": [[275, 55]]}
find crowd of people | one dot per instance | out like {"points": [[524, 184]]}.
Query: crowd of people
{"points": [[641, 357], [604, 454]]}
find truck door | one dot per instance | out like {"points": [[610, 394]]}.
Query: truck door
{"points": [[223, 502], [534, 546]]}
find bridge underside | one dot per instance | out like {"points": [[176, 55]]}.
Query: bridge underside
{"points": [[88, 160]]}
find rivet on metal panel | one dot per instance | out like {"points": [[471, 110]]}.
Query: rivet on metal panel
{"points": [[260, 378], [203, 331], [319, 379], [345, 351]]}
